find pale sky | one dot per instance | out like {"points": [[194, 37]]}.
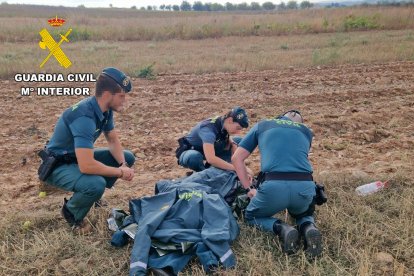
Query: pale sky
{"points": [[124, 3]]}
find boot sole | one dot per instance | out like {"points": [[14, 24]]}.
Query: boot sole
{"points": [[313, 243], [290, 244]]}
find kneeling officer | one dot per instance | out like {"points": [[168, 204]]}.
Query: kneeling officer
{"points": [[70, 161], [210, 140], [286, 177]]}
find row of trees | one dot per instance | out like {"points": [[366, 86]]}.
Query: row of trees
{"points": [[253, 6]]}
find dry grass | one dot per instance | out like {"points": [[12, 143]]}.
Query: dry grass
{"points": [[22, 23], [229, 54], [354, 230], [189, 42], [49, 248]]}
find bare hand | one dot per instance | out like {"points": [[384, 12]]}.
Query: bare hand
{"points": [[127, 173], [252, 193]]}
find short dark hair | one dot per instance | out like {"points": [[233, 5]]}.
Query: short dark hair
{"points": [[105, 83]]}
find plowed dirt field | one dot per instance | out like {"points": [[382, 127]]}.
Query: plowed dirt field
{"points": [[362, 117]]}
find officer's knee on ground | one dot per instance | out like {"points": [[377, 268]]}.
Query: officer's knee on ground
{"points": [[248, 217], [192, 159], [308, 213], [129, 158], [196, 162]]}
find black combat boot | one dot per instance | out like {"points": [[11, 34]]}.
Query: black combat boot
{"points": [[288, 237], [78, 227], [67, 214], [312, 239]]}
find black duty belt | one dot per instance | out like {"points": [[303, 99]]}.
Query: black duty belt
{"points": [[292, 176], [68, 159], [62, 159]]}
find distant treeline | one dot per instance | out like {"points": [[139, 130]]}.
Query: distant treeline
{"points": [[199, 6], [266, 6], [253, 6]]}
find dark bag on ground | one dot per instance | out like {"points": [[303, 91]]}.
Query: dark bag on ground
{"points": [[49, 162]]}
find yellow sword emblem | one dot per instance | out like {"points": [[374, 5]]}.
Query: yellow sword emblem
{"points": [[55, 50]]}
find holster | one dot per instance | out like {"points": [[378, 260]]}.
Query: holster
{"points": [[183, 145], [49, 162]]}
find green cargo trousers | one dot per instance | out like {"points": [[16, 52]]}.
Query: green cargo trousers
{"points": [[86, 188]]}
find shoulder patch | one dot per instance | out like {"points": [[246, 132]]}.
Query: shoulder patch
{"points": [[214, 119], [75, 106]]}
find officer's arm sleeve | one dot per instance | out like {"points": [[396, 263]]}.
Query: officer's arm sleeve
{"points": [[309, 135], [109, 126], [83, 130], [250, 141], [207, 135]]}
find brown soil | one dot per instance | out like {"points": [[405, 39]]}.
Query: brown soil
{"points": [[361, 115]]}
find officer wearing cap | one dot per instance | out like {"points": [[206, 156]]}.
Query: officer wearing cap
{"points": [[210, 140], [81, 168], [285, 182]]}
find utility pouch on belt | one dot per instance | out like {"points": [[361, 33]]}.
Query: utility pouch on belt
{"points": [[49, 162], [320, 197], [183, 145]]}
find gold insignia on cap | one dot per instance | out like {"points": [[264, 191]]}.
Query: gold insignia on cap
{"points": [[125, 82]]}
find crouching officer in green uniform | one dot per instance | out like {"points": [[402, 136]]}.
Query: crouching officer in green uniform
{"points": [[69, 160], [210, 140], [286, 180]]}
